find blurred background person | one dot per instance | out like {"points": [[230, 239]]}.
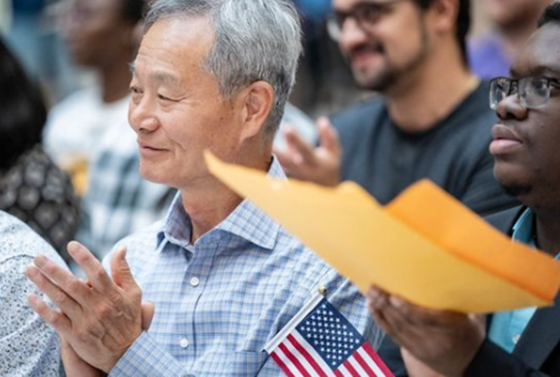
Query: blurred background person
{"points": [[32, 36], [511, 23], [99, 37], [32, 187], [89, 132], [5, 15]]}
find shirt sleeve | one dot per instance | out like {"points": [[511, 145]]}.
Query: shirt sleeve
{"points": [[147, 358], [28, 347], [492, 361]]}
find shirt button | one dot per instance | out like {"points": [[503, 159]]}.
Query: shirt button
{"points": [[516, 338], [184, 343], [195, 281]]}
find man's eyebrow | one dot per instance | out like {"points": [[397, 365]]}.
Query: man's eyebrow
{"points": [[164, 78], [160, 77], [539, 70]]}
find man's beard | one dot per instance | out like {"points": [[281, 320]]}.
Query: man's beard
{"points": [[390, 76], [516, 190]]}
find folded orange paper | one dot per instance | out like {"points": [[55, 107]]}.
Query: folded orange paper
{"points": [[424, 246]]}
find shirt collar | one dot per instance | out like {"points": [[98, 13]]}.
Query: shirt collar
{"points": [[523, 230], [246, 221]]}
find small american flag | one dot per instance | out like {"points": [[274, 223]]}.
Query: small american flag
{"points": [[320, 342]]}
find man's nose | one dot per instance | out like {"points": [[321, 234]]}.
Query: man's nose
{"points": [[511, 108], [142, 116]]}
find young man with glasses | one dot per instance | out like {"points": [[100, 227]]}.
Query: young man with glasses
{"points": [[523, 342], [433, 120]]}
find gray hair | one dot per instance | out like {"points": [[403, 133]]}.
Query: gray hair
{"points": [[255, 40]]}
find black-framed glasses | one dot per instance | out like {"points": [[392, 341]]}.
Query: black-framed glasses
{"points": [[533, 91], [366, 15]]}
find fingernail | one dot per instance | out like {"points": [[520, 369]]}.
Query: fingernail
{"points": [[32, 271], [33, 299], [373, 294], [396, 301], [40, 261]]}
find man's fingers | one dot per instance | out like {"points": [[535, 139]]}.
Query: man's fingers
{"points": [[328, 136], [424, 316], [97, 276], [72, 286], [120, 271], [148, 311], [60, 298], [285, 159], [303, 152], [57, 320]]}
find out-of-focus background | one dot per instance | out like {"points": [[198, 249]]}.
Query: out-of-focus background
{"points": [[32, 29]]}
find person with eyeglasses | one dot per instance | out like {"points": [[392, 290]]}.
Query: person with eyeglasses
{"points": [[432, 120], [523, 342]]}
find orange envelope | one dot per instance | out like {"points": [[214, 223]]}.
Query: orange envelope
{"points": [[424, 246]]}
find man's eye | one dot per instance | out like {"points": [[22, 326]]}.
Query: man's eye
{"points": [[135, 90], [164, 98]]}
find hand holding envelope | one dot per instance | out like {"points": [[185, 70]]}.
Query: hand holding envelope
{"points": [[425, 246]]}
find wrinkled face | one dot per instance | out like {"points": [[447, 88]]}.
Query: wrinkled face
{"points": [[510, 12], [176, 107], [393, 47], [526, 141], [96, 31]]}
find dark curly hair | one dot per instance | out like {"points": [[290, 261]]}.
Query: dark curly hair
{"points": [[551, 14], [23, 112], [463, 23], [133, 10]]}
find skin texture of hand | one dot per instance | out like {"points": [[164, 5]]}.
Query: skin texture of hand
{"points": [[445, 341], [99, 318], [416, 368], [320, 165], [74, 366]]}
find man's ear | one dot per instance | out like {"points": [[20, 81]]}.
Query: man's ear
{"points": [[444, 14], [258, 101]]}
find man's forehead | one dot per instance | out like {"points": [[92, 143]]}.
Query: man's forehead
{"points": [[541, 54]]}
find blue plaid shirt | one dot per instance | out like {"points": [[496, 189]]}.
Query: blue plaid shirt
{"points": [[219, 301]]}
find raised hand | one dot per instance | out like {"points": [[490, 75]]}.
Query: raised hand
{"points": [[99, 318], [320, 165]]}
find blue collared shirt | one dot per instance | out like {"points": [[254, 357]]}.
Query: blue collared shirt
{"points": [[507, 327], [218, 302]]}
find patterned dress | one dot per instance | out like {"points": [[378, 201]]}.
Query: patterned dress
{"points": [[37, 192]]}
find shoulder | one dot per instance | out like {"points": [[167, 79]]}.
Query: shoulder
{"points": [[504, 220], [19, 241], [140, 246]]}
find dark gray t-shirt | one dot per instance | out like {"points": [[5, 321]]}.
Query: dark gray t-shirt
{"points": [[454, 154]]}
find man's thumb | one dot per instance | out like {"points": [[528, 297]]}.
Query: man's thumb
{"points": [[120, 270], [148, 310]]}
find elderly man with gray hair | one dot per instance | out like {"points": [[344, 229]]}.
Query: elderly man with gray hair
{"points": [[224, 278]]}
